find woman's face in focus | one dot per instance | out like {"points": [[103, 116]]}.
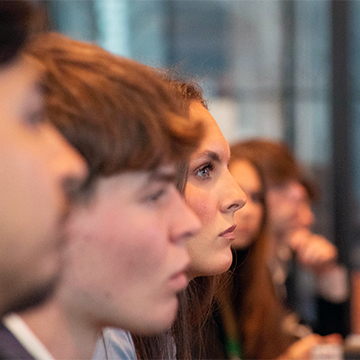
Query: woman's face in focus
{"points": [[248, 220], [214, 196]]}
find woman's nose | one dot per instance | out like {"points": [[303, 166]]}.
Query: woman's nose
{"points": [[234, 197]]}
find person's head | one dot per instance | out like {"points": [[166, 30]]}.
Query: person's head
{"points": [[282, 180], [251, 218], [214, 196], [127, 257], [37, 167], [211, 192]]}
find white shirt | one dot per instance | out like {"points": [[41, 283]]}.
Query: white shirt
{"points": [[26, 337]]}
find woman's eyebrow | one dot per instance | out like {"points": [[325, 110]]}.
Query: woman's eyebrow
{"points": [[209, 154]]}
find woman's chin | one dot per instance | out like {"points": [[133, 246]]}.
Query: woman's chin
{"points": [[241, 243], [225, 265], [214, 266]]}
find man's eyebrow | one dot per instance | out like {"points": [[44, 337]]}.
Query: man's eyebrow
{"points": [[159, 175], [39, 86], [209, 154], [43, 89]]}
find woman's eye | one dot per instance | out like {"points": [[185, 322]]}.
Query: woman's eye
{"points": [[205, 171]]}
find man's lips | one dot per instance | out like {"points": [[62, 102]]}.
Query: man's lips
{"points": [[179, 280]]}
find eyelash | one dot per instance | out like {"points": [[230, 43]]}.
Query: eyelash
{"points": [[206, 169]]}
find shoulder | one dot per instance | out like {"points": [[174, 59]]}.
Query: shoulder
{"points": [[10, 347], [115, 344]]}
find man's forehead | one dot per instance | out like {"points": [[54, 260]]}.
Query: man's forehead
{"points": [[23, 72]]}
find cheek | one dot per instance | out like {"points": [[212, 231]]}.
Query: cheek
{"points": [[199, 201], [135, 238], [120, 252], [151, 243], [272, 200], [29, 194], [287, 210], [277, 207], [145, 238], [144, 258]]}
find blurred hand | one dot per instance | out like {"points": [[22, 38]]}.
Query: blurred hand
{"points": [[313, 251], [301, 349]]}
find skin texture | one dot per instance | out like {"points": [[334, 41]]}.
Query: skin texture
{"points": [[127, 260], [128, 256], [248, 219], [214, 196], [36, 166]]}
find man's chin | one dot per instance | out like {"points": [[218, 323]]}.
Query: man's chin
{"points": [[33, 297]]}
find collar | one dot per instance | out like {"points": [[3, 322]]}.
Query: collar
{"points": [[26, 337]]}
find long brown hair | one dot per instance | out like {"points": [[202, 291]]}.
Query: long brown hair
{"points": [[250, 310], [194, 310]]}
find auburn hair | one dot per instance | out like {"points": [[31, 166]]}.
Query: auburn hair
{"points": [[120, 114]]}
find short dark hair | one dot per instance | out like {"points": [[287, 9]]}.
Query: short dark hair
{"points": [[16, 19]]}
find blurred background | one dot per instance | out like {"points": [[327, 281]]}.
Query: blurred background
{"points": [[284, 70]]}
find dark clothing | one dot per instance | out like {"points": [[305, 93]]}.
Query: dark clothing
{"points": [[10, 347]]}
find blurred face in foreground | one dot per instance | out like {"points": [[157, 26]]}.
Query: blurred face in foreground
{"points": [[128, 256], [37, 168], [214, 196], [248, 219]]}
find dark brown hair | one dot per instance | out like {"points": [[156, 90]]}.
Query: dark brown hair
{"points": [[120, 115], [16, 20]]}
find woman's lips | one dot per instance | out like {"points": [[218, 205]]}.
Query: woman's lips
{"points": [[229, 233]]}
